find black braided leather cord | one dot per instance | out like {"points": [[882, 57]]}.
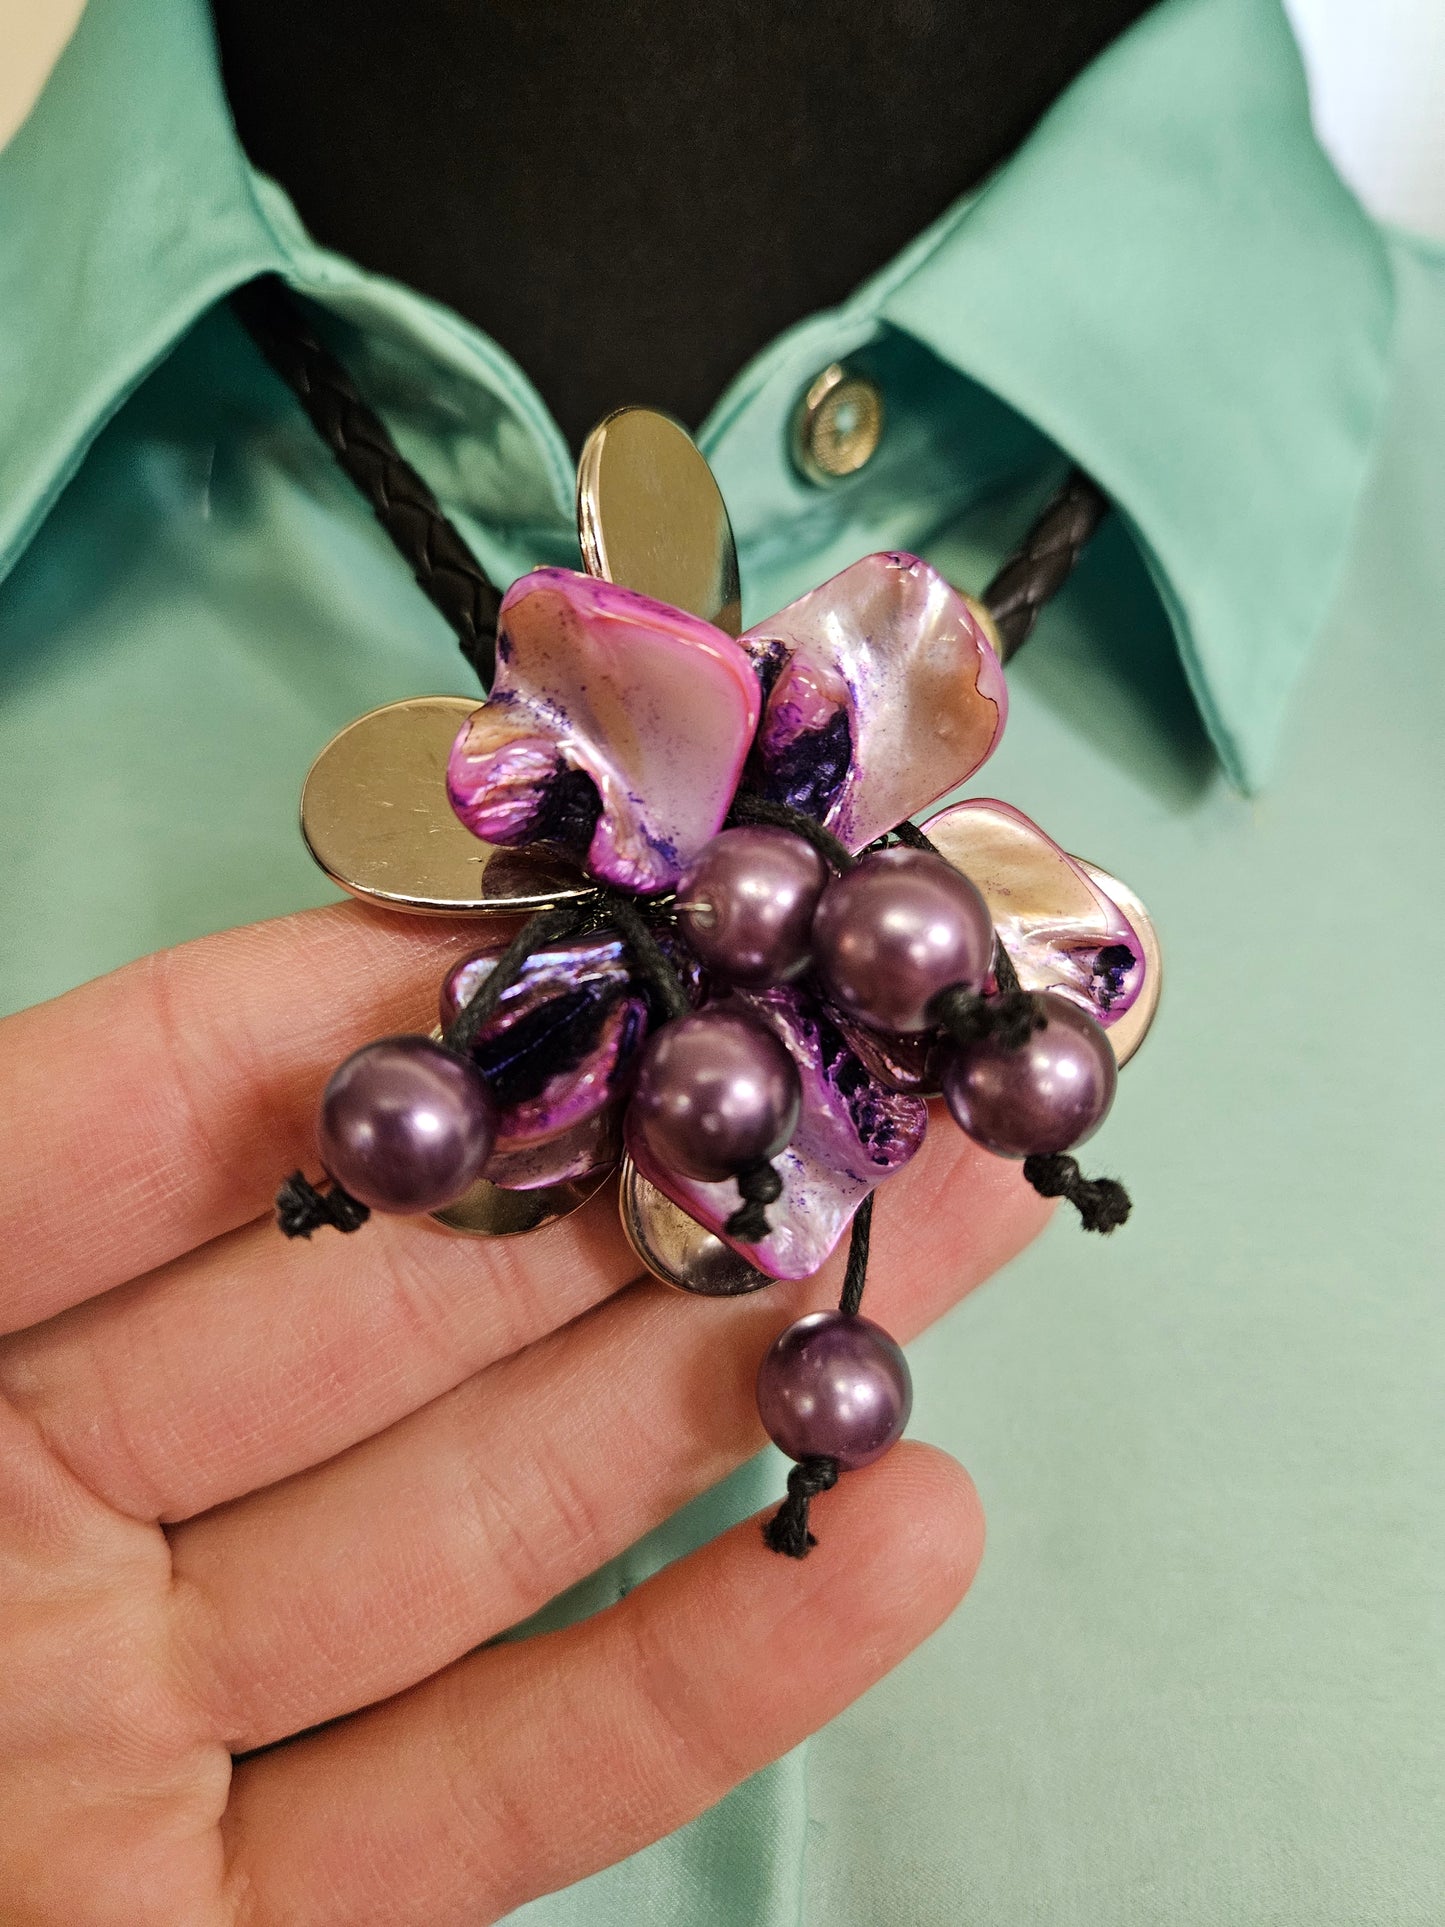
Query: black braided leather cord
{"points": [[444, 566], [1045, 561], [450, 575]]}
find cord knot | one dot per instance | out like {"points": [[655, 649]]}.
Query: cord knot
{"points": [[1102, 1203], [1010, 1016], [787, 1531], [759, 1185], [302, 1209]]}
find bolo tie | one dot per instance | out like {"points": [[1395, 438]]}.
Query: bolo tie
{"points": [[728, 942]]}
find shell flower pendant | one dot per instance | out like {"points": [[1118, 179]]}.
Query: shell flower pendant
{"points": [[636, 750], [751, 955]]}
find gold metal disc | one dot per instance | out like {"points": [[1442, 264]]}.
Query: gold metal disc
{"points": [[1133, 1027], [487, 1211], [651, 516], [375, 816], [676, 1248]]}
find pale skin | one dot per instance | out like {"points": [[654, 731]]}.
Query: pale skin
{"points": [[251, 1488]]}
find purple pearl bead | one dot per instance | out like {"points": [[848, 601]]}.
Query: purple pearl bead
{"points": [[834, 1386], [746, 905], [715, 1093], [1047, 1096], [894, 931], [405, 1126]]}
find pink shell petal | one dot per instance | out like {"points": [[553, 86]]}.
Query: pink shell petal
{"points": [[605, 697], [852, 1134], [563, 1044], [1051, 916], [581, 1151], [884, 694]]}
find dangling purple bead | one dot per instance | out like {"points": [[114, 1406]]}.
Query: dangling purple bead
{"points": [[836, 1386], [746, 905], [716, 1092], [405, 1126], [894, 931], [1047, 1096]]}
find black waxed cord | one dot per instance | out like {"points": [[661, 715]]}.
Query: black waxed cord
{"points": [[547, 926], [855, 1275], [786, 1531], [439, 555], [747, 808], [909, 833], [648, 953], [1044, 561], [1011, 1015], [759, 1184]]}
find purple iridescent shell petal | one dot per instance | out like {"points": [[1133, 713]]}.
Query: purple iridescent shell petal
{"points": [[901, 1061], [852, 1134], [1061, 932], [562, 1047], [883, 695], [582, 1151], [617, 727]]}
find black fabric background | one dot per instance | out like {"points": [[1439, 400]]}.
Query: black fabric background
{"points": [[633, 197]]}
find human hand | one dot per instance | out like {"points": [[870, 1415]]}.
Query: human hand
{"points": [[248, 1487]]}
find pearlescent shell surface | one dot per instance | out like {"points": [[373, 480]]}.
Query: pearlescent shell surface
{"points": [[883, 695], [375, 816], [1051, 916], [617, 726], [900, 1062], [851, 1134], [1128, 1032], [488, 1211], [589, 1148], [560, 1052]]}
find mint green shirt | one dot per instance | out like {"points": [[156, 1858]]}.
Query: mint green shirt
{"points": [[1201, 1678]]}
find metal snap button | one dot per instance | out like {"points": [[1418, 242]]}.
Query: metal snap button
{"points": [[839, 425]]}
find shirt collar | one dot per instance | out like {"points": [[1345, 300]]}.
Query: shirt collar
{"points": [[1168, 279]]}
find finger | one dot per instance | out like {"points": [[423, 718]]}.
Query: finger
{"points": [[527, 1766], [160, 1106], [366, 1575], [255, 1357]]}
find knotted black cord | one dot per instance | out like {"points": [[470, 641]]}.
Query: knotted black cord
{"points": [[787, 1530], [302, 1208], [759, 1185], [1102, 1203], [547, 926]]}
